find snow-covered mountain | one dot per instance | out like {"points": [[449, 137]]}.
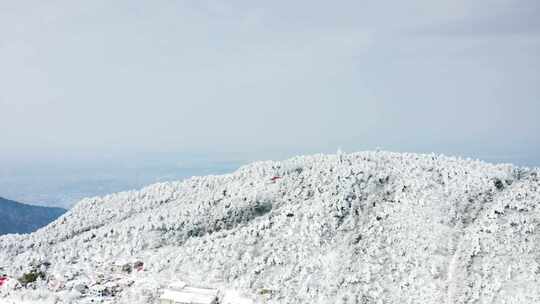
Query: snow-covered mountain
{"points": [[370, 227], [22, 218]]}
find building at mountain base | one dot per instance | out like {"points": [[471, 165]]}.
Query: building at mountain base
{"points": [[180, 293]]}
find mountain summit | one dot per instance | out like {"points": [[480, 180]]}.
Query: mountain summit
{"points": [[370, 227]]}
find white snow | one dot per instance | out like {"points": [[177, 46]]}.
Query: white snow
{"points": [[187, 297], [370, 227]]}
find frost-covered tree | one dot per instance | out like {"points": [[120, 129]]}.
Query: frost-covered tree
{"points": [[371, 227]]}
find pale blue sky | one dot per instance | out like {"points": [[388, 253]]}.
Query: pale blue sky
{"points": [[246, 80]]}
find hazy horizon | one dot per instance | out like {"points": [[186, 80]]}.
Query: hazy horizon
{"points": [[99, 82]]}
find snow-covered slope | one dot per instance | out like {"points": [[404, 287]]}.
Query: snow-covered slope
{"points": [[371, 227]]}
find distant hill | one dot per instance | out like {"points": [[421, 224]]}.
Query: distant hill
{"points": [[22, 218]]}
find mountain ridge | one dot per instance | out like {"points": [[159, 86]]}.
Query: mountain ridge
{"points": [[24, 218], [367, 227]]}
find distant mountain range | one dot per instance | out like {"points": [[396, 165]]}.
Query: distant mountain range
{"points": [[22, 218]]}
